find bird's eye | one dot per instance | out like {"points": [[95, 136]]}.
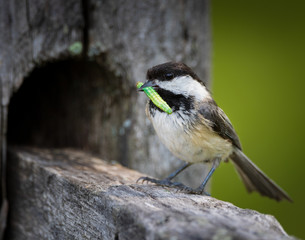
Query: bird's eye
{"points": [[169, 76]]}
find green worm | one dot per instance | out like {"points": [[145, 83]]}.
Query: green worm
{"points": [[155, 98]]}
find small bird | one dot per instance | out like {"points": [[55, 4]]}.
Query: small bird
{"points": [[198, 131]]}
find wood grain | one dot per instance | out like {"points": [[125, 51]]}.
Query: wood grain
{"points": [[68, 194]]}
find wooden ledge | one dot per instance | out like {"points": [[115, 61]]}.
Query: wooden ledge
{"points": [[69, 194]]}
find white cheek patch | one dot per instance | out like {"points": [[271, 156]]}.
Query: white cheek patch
{"points": [[186, 86]]}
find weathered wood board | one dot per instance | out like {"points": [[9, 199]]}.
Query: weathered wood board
{"points": [[67, 194]]}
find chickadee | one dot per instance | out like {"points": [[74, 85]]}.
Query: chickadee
{"points": [[198, 130]]}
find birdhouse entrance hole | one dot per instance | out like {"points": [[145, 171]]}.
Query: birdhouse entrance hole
{"points": [[76, 104]]}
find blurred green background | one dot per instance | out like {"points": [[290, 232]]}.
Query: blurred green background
{"points": [[259, 81]]}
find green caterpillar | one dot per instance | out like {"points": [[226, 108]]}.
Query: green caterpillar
{"points": [[155, 98]]}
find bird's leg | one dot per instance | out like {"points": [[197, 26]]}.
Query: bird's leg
{"points": [[179, 170], [167, 181], [200, 189]]}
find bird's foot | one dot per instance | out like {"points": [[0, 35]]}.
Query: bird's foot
{"points": [[179, 186], [198, 191], [164, 182]]}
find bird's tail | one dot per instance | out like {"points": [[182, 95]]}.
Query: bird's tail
{"points": [[255, 179]]}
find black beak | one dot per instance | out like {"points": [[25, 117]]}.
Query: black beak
{"points": [[147, 84]]}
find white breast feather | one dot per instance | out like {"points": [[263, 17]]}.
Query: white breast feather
{"points": [[191, 144]]}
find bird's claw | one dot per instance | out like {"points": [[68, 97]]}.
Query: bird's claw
{"points": [[143, 179], [165, 182], [180, 187], [197, 191]]}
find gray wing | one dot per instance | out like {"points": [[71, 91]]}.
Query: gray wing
{"points": [[219, 121]]}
